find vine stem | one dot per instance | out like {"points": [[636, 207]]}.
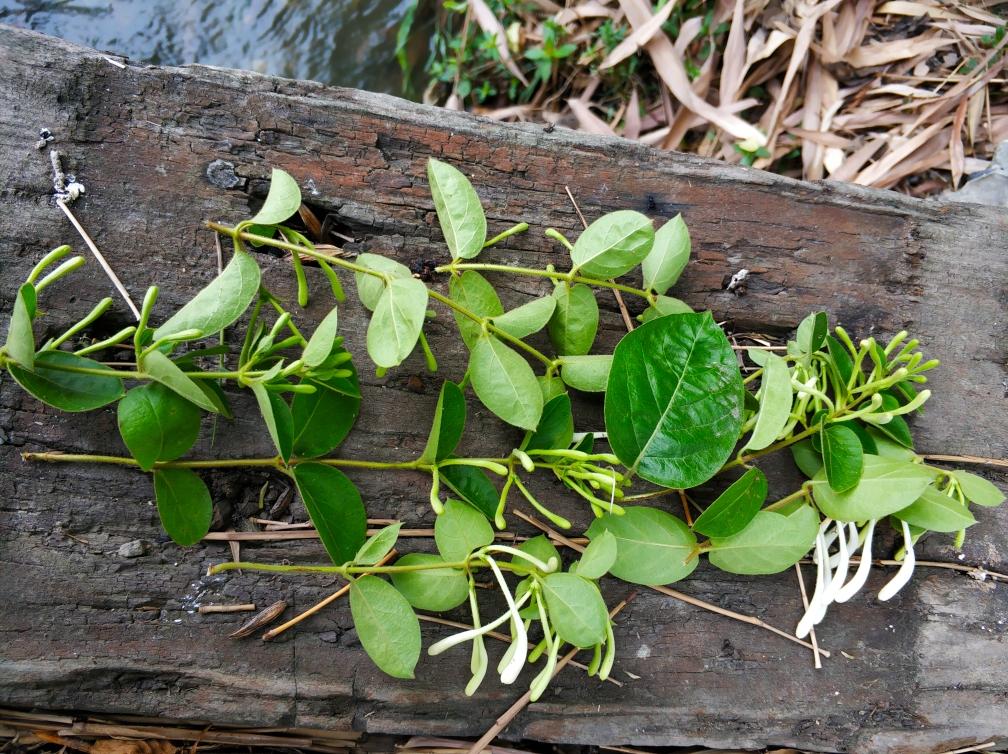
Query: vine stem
{"points": [[132, 374], [552, 274], [225, 463], [339, 570]]}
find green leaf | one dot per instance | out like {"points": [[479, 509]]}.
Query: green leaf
{"points": [[599, 556], [841, 358], [843, 457], [161, 369], [379, 545], [556, 427], [896, 428], [323, 419], [370, 287], [20, 345], [219, 304], [668, 257], [527, 318], [806, 458], [886, 486], [334, 506], [321, 343], [812, 332], [978, 490], [888, 448], [67, 391], [575, 320], [472, 485], [775, 397], [386, 625], [613, 244], [868, 444], [458, 209], [398, 318], [576, 609], [437, 590], [769, 544], [551, 387], [587, 373], [157, 424], [735, 507], [459, 530], [282, 201], [184, 505], [472, 291], [664, 306], [936, 511], [538, 547], [505, 383], [673, 407], [652, 546], [215, 394], [448, 424], [279, 420]]}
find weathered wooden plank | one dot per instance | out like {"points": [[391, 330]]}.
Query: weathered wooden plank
{"points": [[87, 629]]}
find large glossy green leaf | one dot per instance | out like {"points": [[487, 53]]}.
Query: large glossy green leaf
{"points": [[370, 287], [668, 256], [320, 344], [20, 345], [576, 609], [735, 507], [473, 485], [979, 490], [652, 546], [437, 590], [448, 425], [556, 427], [936, 511], [220, 303], [587, 373], [157, 424], [664, 306], [162, 369], [67, 391], [323, 419], [886, 486], [505, 383], [334, 506], [843, 457], [458, 209], [575, 319], [282, 200], [386, 625], [613, 244], [277, 415], [397, 320], [473, 292], [184, 505], [459, 530], [673, 406], [775, 397], [769, 544], [527, 318]]}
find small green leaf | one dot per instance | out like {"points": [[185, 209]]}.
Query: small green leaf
{"points": [[321, 343], [458, 209], [668, 257], [652, 546], [775, 397], [664, 306], [673, 406], [735, 507], [886, 486], [806, 458], [505, 383], [20, 346], [936, 511], [889, 448], [472, 291], [323, 419], [841, 358], [896, 428], [437, 590], [538, 547], [812, 332], [282, 201], [868, 444], [598, 557], [575, 319], [448, 424], [576, 609], [162, 369], [219, 304], [184, 505], [334, 506], [277, 415], [157, 424], [589, 374], [769, 544], [551, 387], [528, 318], [386, 625], [459, 530], [843, 457], [398, 318], [556, 427], [978, 490], [472, 484], [379, 545], [613, 244], [67, 391], [370, 287]]}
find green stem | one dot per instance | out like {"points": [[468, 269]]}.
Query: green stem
{"points": [[742, 460], [799, 493], [552, 274], [133, 374], [340, 570], [513, 230], [224, 463]]}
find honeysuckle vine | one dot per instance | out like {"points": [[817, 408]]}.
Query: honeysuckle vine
{"points": [[678, 412]]}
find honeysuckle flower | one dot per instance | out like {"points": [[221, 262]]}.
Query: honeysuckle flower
{"points": [[853, 586], [471, 633], [905, 570], [519, 647]]}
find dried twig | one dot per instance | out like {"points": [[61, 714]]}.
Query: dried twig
{"points": [[805, 604]]}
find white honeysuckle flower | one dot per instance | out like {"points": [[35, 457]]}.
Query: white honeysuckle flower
{"points": [[843, 563], [905, 570], [520, 643], [853, 586], [821, 555], [471, 633]]}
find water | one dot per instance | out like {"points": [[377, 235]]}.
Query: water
{"points": [[339, 42]]}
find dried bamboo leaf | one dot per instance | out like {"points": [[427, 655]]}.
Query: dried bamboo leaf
{"points": [[640, 36], [733, 64], [883, 53], [587, 120], [632, 121], [489, 23], [957, 155], [583, 11]]}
